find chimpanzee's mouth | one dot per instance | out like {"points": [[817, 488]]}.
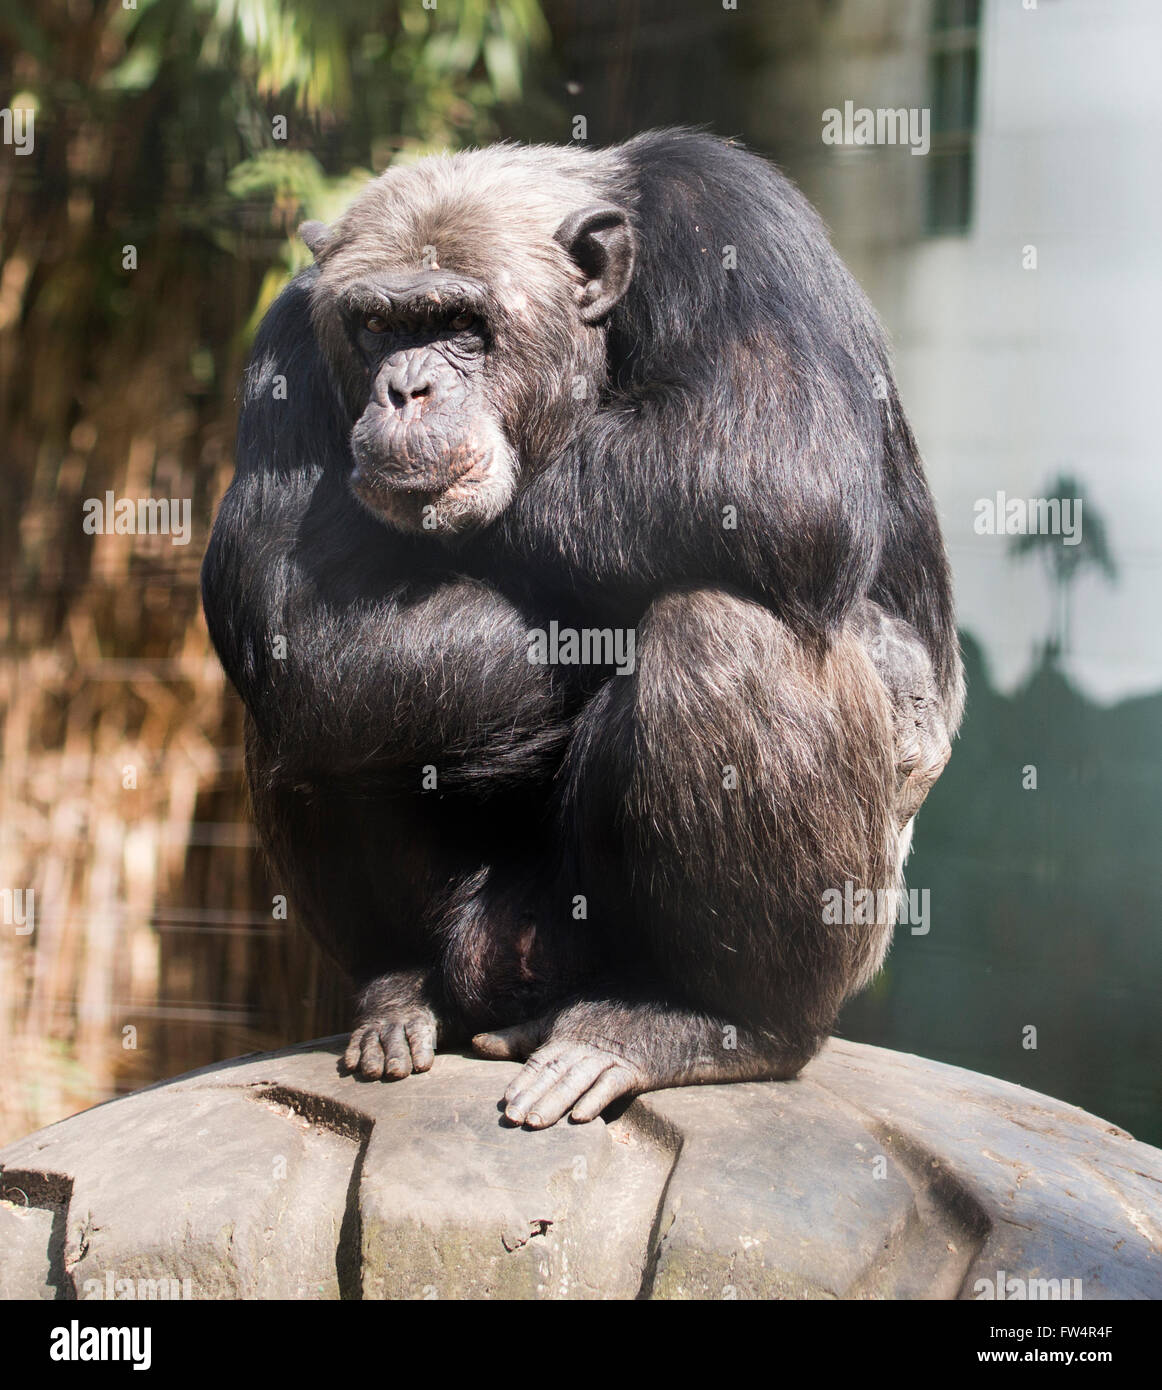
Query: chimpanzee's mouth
{"points": [[451, 474], [420, 481]]}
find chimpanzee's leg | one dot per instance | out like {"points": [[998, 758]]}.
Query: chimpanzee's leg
{"points": [[721, 800]]}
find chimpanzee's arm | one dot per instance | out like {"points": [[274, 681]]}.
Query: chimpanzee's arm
{"points": [[353, 653]]}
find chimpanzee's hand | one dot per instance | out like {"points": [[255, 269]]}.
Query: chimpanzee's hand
{"points": [[922, 750], [397, 1030], [921, 735]]}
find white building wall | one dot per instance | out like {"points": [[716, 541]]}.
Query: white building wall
{"points": [[1011, 376]]}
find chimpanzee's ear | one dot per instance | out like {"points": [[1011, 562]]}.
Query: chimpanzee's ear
{"points": [[316, 235], [600, 241]]}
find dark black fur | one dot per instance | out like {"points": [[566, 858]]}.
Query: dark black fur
{"points": [[765, 388]]}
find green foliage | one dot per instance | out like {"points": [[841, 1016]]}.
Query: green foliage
{"points": [[228, 122], [294, 186]]}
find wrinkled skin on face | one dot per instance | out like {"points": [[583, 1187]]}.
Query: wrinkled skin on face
{"points": [[429, 449], [458, 353]]}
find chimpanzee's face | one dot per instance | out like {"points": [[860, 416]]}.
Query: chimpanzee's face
{"points": [[430, 450], [461, 303]]}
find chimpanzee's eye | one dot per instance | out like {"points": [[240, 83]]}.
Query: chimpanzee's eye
{"points": [[375, 323], [462, 322]]}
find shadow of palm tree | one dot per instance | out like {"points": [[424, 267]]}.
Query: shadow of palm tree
{"points": [[1066, 559]]}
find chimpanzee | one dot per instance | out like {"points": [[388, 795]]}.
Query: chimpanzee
{"points": [[591, 614]]}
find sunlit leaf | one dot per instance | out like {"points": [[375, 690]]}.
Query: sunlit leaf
{"points": [[503, 64]]}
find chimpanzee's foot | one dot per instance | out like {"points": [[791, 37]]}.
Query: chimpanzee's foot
{"points": [[583, 1059], [566, 1076], [397, 1030]]}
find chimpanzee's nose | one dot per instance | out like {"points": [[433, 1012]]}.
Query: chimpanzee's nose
{"points": [[408, 382]]}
